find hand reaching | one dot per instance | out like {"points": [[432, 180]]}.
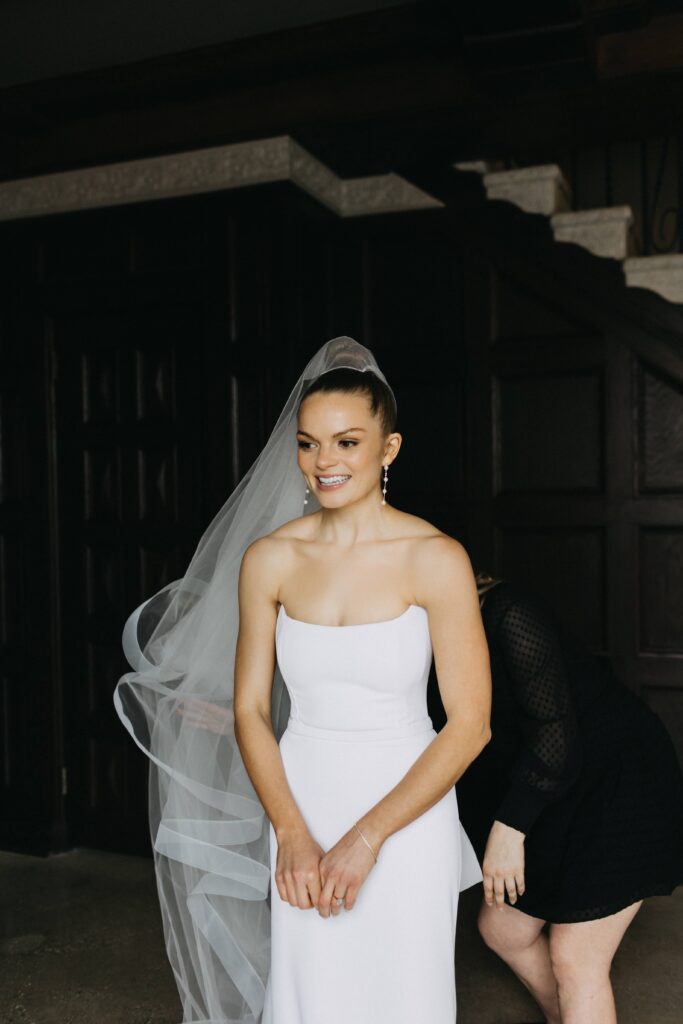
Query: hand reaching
{"points": [[503, 868]]}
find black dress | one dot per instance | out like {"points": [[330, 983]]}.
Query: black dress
{"points": [[579, 764]]}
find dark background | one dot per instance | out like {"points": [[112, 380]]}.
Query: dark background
{"points": [[146, 349]]}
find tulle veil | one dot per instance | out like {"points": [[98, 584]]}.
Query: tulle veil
{"points": [[209, 830]]}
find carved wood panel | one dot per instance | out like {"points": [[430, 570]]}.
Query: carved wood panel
{"points": [[579, 494], [30, 816], [567, 454], [660, 434], [130, 420], [161, 401], [140, 400]]}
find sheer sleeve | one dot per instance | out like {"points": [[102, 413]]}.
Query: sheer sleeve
{"points": [[550, 759]]}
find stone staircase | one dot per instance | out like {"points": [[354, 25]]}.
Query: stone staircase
{"points": [[607, 232]]}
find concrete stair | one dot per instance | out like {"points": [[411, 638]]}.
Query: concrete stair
{"points": [[606, 232]]}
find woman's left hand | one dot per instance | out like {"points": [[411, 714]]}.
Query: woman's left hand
{"points": [[206, 715], [503, 867], [343, 870]]}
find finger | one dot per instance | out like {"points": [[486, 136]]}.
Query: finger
{"points": [[291, 889], [326, 898], [303, 900], [281, 888], [499, 892], [519, 881], [314, 889], [336, 908], [488, 890], [350, 897], [511, 889]]}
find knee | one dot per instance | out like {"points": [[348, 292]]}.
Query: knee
{"points": [[574, 961]]}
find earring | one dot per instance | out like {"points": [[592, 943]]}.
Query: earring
{"points": [[384, 488], [306, 496]]}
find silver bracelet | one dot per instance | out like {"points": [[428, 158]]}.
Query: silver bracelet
{"points": [[366, 842]]}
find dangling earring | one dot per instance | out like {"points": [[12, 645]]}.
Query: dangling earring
{"points": [[306, 496], [384, 488]]}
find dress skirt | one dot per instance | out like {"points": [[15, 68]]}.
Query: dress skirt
{"points": [[390, 958]]}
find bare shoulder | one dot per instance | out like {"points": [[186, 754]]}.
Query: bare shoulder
{"points": [[301, 528], [292, 530], [267, 556], [441, 564], [413, 527]]}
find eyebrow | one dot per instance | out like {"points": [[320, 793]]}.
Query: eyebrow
{"points": [[338, 434]]}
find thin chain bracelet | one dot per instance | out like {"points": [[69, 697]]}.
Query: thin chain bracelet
{"points": [[366, 842]]}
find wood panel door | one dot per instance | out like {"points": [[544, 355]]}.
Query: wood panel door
{"points": [[137, 390], [161, 385], [30, 743], [130, 420], [126, 339]]}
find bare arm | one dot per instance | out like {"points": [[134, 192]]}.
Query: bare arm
{"points": [[297, 873], [448, 591]]}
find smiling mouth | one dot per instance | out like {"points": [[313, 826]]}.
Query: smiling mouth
{"points": [[331, 483]]}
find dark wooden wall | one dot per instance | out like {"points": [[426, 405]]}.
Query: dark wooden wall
{"points": [[146, 352], [577, 401]]}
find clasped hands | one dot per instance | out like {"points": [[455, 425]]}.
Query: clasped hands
{"points": [[308, 878]]}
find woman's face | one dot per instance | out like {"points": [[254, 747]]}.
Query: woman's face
{"points": [[341, 447]]}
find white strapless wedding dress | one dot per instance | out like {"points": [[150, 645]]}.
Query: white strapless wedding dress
{"points": [[358, 722]]}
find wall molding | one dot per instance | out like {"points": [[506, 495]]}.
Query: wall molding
{"points": [[209, 170]]}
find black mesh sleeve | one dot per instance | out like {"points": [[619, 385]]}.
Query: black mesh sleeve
{"points": [[551, 755]]}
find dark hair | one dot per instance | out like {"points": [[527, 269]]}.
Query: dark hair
{"points": [[485, 581], [356, 382]]}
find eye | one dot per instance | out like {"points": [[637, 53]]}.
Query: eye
{"points": [[348, 440], [304, 445]]}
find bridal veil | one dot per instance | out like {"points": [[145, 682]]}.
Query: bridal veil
{"points": [[209, 830]]}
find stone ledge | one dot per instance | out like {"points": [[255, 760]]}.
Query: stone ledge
{"points": [[478, 166], [541, 189], [607, 231], [661, 274], [209, 170]]}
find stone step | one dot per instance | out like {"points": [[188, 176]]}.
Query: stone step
{"points": [[607, 231], [542, 189], [661, 274]]}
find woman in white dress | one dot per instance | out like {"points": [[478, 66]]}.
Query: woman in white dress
{"points": [[363, 814], [306, 839]]}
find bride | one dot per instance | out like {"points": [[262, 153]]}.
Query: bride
{"points": [[332, 618]]}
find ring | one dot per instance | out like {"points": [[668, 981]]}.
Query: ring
{"points": [[339, 900]]}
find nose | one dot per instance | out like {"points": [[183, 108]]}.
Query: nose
{"points": [[325, 460]]}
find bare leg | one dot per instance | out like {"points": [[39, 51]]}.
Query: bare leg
{"points": [[581, 955], [519, 940]]}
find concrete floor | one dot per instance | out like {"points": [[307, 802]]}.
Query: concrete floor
{"points": [[81, 943]]}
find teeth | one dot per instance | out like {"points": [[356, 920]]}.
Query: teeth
{"points": [[332, 479]]}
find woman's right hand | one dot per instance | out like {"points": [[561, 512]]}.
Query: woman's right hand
{"points": [[503, 866], [297, 871]]}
